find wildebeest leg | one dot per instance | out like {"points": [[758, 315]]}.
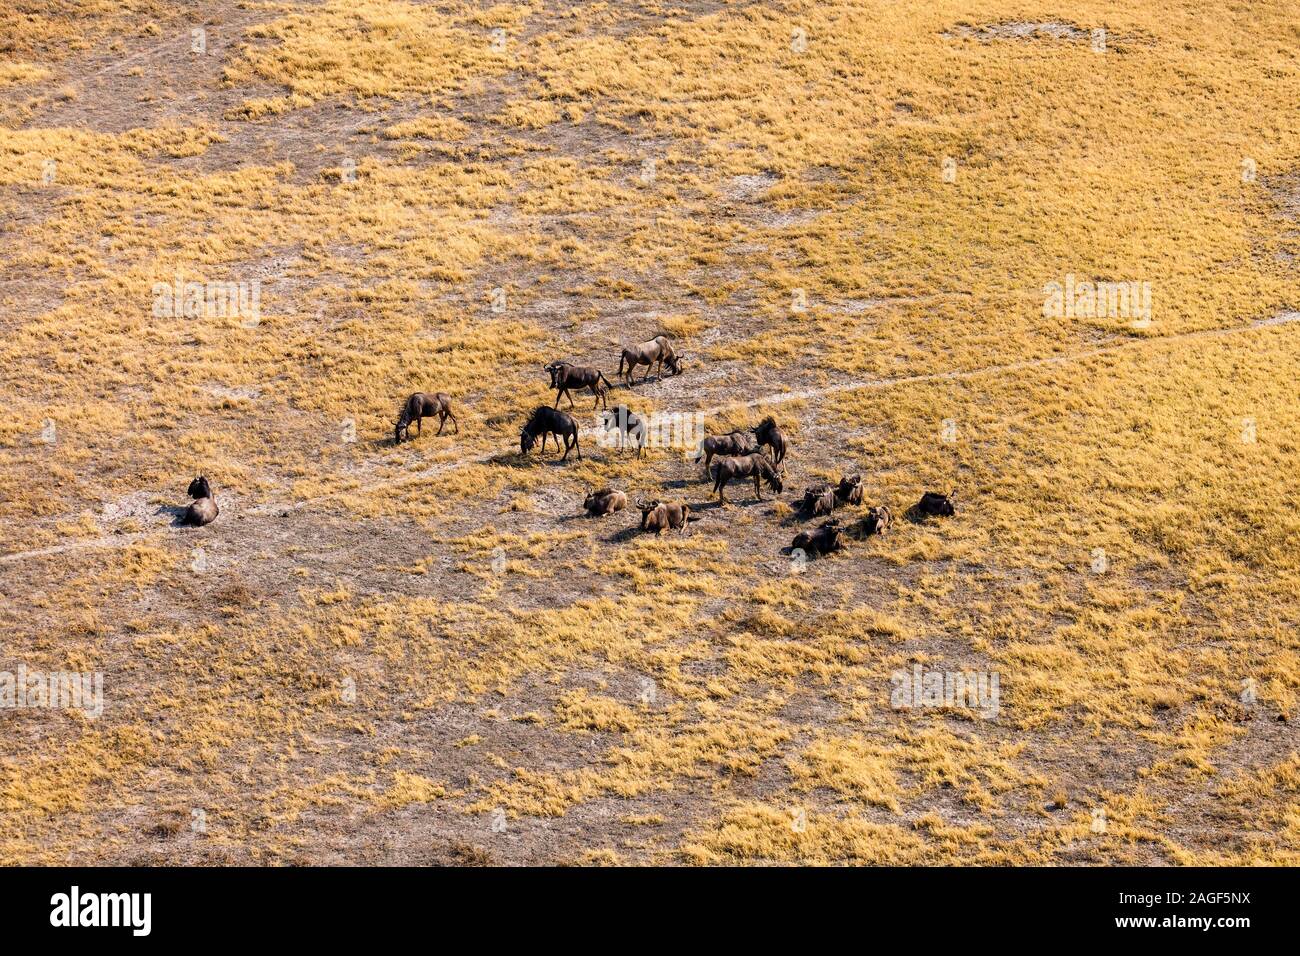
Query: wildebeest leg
{"points": [[718, 486], [570, 394], [544, 434], [576, 445], [419, 426], [442, 420], [758, 490]]}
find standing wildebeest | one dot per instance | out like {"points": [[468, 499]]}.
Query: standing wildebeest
{"points": [[731, 445], [939, 505], [821, 542], [768, 434], [419, 405], [548, 421], [203, 510], [818, 501], [875, 521], [566, 376], [758, 466], [657, 352], [659, 516], [603, 502], [621, 419], [849, 491]]}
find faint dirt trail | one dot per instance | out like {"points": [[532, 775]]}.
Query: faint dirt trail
{"points": [[434, 471]]}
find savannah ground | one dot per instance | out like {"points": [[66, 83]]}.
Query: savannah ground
{"points": [[847, 215]]}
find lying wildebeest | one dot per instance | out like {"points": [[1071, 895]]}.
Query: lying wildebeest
{"points": [[566, 376], [818, 501], [757, 466], [659, 516], [549, 421], [821, 542], [658, 352], [417, 407], [731, 445], [849, 491], [768, 434], [203, 510], [939, 505], [875, 521], [604, 502], [623, 420]]}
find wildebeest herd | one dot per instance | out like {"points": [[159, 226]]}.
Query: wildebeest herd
{"points": [[756, 454]]}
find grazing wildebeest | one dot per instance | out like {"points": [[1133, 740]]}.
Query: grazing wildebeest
{"points": [[821, 542], [758, 466], [549, 421], [604, 502], [875, 521], [939, 505], [768, 434], [623, 420], [849, 491], [658, 352], [658, 516], [566, 376], [419, 405], [203, 510], [818, 501], [731, 445]]}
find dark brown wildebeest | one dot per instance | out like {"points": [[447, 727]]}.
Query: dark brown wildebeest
{"points": [[549, 421], [732, 445], [875, 521], [626, 423], [768, 434], [821, 542], [818, 501], [757, 466], [849, 491], [604, 502], [566, 377], [417, 407], [203, 510], [658, 352], [658, 516], [938, 505]]}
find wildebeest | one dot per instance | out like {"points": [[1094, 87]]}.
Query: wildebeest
{"points": [[757, 466], [565, 377], [658, 352], [821, 542], [417, 407], [768, 434], [549, 421], [875, 521], [849, 490], [659, 516], [627, 423], [818, 501], [604, 502], [203, 510], [938, 505], [731, 445]]}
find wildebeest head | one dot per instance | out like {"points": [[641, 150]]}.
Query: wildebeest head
{"points": [[199, 488], [674, 363], [526, 441]]}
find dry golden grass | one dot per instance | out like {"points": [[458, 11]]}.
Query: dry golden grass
{"points": [[426, 640]]}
